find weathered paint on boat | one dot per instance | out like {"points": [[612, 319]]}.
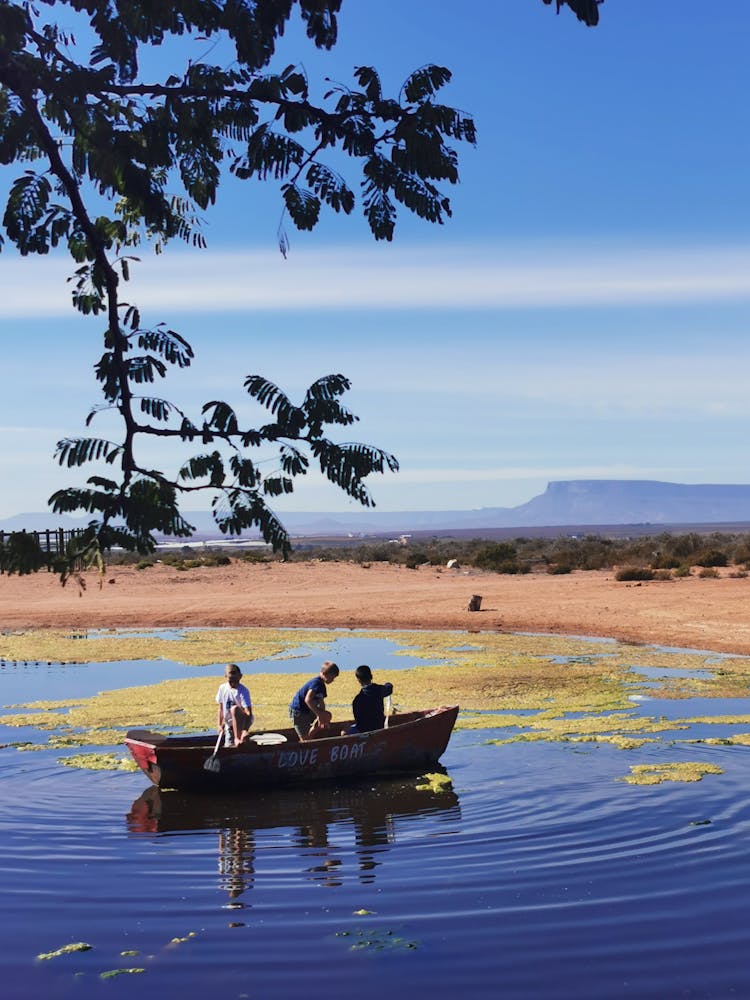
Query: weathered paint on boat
{"points": [[413, 741]]}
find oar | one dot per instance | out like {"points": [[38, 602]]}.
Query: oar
{"points": [[388, 710], [213, 763]]}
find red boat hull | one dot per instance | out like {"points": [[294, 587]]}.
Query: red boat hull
{"points": [[413, 741]]}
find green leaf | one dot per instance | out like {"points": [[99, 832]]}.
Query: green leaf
{"points": [[222, 417], [585, 10], [330, 188], [270, 396], [303, 207], [77, 451], [157, 409], [244, 471], [170, 345], [425, 82], [203, 466], [276, 486]]}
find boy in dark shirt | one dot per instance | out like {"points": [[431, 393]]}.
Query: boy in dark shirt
{"points": [[368, 704]]}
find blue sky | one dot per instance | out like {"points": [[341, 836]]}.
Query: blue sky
{"points": [[584, 314]]}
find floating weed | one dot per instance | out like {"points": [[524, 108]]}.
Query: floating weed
{"points": [[182, 940], [727, 720], [625, 742], [735, 740], [66, 949], [364, 913], [655, 774], [435, 783], [128, 954], [377, 940], [119, 972], [99, 762], [620, 729], [197, 648]]}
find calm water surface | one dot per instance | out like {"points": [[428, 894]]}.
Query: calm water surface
{"points": [[539, 876]]}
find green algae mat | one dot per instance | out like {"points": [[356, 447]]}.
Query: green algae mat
{"points": [[511, 688]]}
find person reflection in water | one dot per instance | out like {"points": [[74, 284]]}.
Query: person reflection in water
{"points": [[236, 854]]}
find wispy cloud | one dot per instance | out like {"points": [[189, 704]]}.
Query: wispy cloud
{"points": [[457, 277], [518, 472]]}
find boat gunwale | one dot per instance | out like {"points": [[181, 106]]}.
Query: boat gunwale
{"points": [[193, 743]]}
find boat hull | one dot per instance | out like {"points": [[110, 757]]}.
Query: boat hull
{"points": [[413, 741]]}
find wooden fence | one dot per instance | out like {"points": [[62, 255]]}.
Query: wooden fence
{"points": [[50, 541]]}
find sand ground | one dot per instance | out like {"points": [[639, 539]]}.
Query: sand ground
{"points": [[711, 614]]}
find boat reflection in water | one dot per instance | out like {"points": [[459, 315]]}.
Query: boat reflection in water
{"points": [[372, 815]]}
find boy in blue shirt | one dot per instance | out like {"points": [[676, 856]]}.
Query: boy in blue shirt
{"points": [[308, 707]]}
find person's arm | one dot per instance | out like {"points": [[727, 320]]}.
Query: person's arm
{"points": [[219, 710], [316, 703]]}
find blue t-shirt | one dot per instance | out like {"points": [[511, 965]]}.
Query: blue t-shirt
{"points": [[298, 706]]}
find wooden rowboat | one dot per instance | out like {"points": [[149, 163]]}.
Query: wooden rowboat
{"points": [[413, 741]]}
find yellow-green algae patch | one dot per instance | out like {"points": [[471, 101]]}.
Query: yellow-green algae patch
{"points": [[182, 940], [120, 972], [99, 762], [609, 728], [199, 647], [737, 740], [655, 774], [435, 782], [67, 949]]}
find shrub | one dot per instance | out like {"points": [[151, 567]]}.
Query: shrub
{"points": [[215, 559], [711, 557], [682, 571], [742, 555], [496, 556], [708, 573], [665, 562], [255, 556], [144, 564], [634, 573], [559, 569]]}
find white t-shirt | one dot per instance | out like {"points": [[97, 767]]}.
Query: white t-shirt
{"points": [[228, 696]]}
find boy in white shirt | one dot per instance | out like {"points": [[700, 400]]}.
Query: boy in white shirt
{"points": [[235, 712]]}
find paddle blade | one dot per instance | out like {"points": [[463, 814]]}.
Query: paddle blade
{"points": [[213, 763]]}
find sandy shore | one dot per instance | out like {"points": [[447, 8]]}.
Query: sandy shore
{"points": [[695, 613]]}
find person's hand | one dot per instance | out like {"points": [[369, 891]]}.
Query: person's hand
{"points": [[324, 719]]}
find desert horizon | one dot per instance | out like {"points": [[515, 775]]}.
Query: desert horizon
{"points": [[689, 612]]}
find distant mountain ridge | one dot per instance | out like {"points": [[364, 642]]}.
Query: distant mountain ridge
{"points": [[564, 502]]}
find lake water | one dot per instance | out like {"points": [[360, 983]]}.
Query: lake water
{"points": [[539, 875]]}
